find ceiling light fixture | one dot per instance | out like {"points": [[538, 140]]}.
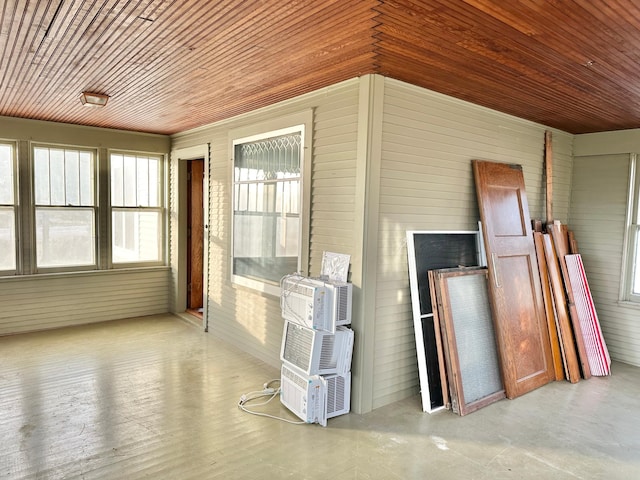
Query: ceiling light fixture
{"points": [[90, 99]]}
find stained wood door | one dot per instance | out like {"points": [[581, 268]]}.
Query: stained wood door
{"points": [[514, 281], [195, 234]]}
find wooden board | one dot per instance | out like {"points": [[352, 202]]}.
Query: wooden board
{"points": [[468, 340], [572, 368], [596, 348], [556, 351], [514, 279], [437, 325], [573, 244], [562, 248], [548, 166]]}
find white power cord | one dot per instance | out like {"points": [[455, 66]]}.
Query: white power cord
{"points": [[267, 391]]}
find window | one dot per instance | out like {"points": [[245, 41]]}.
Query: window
{"points": [[267, 207], [136, 212], [64, 193], [632, 275], [7, 209], [63, 209]]}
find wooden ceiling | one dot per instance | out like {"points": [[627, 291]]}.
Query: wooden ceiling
{"points": [[169, 66]]}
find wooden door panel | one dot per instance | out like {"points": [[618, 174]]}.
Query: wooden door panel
{"points": [[550, 310], [195, 241], [515, 289], [519, 303], [506, 212]]}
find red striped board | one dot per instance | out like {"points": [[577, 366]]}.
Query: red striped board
{"points": [[595, 346]]}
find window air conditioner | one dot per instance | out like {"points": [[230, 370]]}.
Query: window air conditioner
{"points": [[314, 303], [315, 352], [315, 398]]}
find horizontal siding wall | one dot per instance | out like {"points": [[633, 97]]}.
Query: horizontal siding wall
{"points": [[334, 177], [37, 302], [51, 301], [426, 183], [598, 216], [243, 316]]}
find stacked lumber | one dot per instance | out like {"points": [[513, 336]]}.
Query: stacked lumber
{"points": [[596, 349], [578, 346]]}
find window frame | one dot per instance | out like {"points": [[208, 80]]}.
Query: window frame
{"points": [[302, 123], [161, 210], [94, 208], [632, 235], [15, 205], [25, 208]]}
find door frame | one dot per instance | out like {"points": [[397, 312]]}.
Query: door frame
{"points": [[178, 225]]}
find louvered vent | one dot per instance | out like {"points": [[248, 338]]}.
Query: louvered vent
{"points": [[343, 304], [292, 387], [298, 346], [293, 377], [327, 357], [294, 287], [335, 394]]}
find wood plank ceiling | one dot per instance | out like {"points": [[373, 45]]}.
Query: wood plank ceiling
{"points": [[171, 66]]}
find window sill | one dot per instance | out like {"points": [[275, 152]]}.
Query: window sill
{"points": [[255, 286], [84, 273], [629, 304]]}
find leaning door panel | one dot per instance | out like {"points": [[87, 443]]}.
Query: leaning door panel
{"points": [[516, 293]]}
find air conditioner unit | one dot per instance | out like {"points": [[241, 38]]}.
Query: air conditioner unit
{"points": [[314, 303], [315, 352], [315, 398]]}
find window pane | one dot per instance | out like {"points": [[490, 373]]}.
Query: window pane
{"points": [[6, 174], [635, 287], [154, 182], [41, 176], [266, 227], [65, 237], [287, 235], [142, 176], [136, 236], [72, 177], [130, 183], [86, 179], [7, 239], [117, 181], [63, 177], [265, 246], [56, 177]]}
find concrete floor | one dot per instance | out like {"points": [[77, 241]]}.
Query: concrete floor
{"points": [[156, 398]]}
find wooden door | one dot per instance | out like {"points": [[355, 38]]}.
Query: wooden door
{"points": [[514, 281], [195, 234]]}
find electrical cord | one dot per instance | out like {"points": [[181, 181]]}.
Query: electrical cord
{"points": [[267, 391]]}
